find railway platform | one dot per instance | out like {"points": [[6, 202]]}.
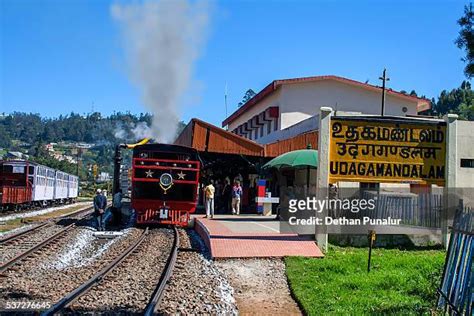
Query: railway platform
{"points": [[251, 236]]}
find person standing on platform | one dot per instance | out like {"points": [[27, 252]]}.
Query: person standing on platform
{"points": [[100, 203], [209, 191], [236, 197]]}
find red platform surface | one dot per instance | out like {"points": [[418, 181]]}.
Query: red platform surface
{"points": [[251, 237]]}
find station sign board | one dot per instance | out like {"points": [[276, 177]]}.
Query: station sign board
{"points": [[377, 150]]}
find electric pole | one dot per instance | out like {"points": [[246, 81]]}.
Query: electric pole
{"points": [[384, 79]]}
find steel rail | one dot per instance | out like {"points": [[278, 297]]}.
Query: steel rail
{"points": [[82, 289], [38, 246], [82, 210], [41, 244], [164, 278], [17, 235]]}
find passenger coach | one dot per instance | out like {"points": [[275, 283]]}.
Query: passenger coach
{"points": [[26, 184]]}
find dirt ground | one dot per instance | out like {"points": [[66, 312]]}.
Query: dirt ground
{"points": [[260, 286]]}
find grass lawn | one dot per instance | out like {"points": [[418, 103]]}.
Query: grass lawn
{"points": [[400, 282]]}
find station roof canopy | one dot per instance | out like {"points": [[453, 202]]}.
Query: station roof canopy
{"points": [[206, 137]]}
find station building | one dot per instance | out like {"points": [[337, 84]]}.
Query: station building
{"points": [[282, 117]]}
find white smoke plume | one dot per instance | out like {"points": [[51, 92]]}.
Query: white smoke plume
{"points": [[134, 133], [142, 130], [119, 132], [163, 39]]}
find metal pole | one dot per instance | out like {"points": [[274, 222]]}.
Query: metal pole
{"points": [[371, 245], [384, 80], [77, 165]]}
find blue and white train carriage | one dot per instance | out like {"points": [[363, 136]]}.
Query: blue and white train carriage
{"points": [[62, 186], [44, 181], [73, 187]]}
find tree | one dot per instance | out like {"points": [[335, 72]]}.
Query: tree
{"points": [[459, 101], [249, 94], [465, 40]]}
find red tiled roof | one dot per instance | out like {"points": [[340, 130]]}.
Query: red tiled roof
{"points": [[422, 104]]}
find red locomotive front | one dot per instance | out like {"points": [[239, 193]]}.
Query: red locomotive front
{"points": [[164, 183]]}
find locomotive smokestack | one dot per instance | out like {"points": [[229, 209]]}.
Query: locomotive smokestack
{"points": [[117, 164]]}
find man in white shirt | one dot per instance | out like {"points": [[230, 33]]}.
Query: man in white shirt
{"points": [[209, 191]]}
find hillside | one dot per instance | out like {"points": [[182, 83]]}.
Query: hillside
{"points": [[59, 142]]}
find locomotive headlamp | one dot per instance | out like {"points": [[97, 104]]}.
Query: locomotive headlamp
{"points": [[166, 181]]}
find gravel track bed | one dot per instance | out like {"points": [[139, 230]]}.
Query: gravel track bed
{"points": [[9, 250], [56, 271], [260, 285], [196, 286], [128, 288], [16, 230]]}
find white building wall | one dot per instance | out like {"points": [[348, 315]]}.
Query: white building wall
{"points": [[465, 150], [302, 100]]}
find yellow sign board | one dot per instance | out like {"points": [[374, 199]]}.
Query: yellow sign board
{"points": [[374, 150]]}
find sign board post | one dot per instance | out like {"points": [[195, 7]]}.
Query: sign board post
{"points": [[323, 172], [450, 201]]}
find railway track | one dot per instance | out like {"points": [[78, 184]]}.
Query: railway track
{"points": [[24, 243], [165, 276], [21, 234], [68, 300]]}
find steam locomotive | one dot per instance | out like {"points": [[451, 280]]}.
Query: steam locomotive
{"points": [[25, 184], [165, 183]]}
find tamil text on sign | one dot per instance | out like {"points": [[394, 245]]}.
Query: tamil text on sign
{"points": [[366, 150]]}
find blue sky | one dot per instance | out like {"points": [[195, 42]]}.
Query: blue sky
{"points": [[62, 56]]}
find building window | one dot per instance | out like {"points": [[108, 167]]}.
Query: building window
{"points": [[256, 133], [275, 124], [467, 163], [269, 127], [261, 130]]}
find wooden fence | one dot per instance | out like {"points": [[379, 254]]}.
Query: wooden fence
{"points": [[422, 210], [455, 292]]}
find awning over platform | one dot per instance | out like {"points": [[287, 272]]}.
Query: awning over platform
{"points": [[206, 137]]}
